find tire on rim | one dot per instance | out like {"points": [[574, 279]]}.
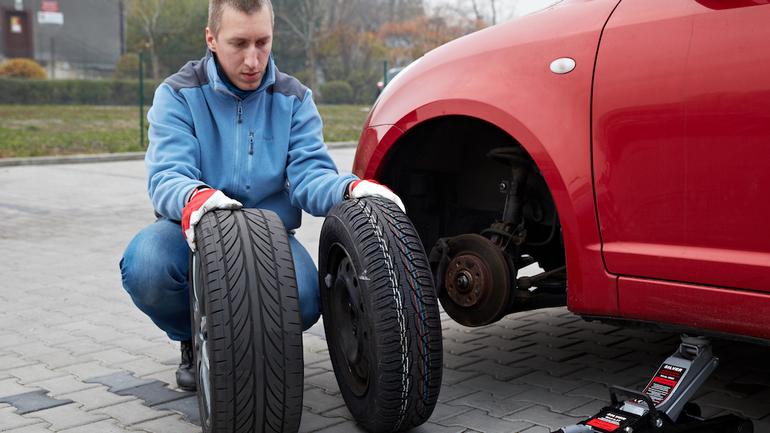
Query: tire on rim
{"points": [[247, 331], [380, 315]]}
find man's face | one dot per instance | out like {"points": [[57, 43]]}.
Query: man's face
{"points": [[243, 45]]}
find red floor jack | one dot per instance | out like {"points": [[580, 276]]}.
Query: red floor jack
{"points": [[663, 406]]}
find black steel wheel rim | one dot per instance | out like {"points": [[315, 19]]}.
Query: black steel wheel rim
{"points": [[349, 321]]}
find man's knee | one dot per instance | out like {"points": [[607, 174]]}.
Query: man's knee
{"points": [[309, 302], [307, 284], [152, 268]]}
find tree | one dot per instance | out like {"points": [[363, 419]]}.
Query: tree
{"points": [[145, 15], [354, 57], [408, 40], [337, 38], [482, 12], [171, 31], [400, 10], [490, 17], [311, 22]]}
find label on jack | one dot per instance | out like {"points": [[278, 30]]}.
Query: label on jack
{"points": [[608, 420], [664, 382]]}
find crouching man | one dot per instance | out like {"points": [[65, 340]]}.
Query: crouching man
{"points": [[229, 131]]}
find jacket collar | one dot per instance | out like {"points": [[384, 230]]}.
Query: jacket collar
{"points": [[219, 85]]}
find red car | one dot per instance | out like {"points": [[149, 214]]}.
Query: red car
{"points": [[624, 146]]}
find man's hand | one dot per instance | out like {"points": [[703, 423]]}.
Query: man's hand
{"points": [[367, 188], [202, 201]]}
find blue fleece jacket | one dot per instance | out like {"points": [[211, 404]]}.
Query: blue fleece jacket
{"points": [[266, 151]]}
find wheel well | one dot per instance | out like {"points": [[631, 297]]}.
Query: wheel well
{"points": [[450, 186]]}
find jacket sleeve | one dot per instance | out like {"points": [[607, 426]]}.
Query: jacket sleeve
{"points": [[173, 157], [314, 183]]}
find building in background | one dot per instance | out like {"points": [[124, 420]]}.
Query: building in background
{"points": [[70, 38]]}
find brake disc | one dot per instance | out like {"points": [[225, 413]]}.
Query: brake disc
{"points": [[476, 288]]}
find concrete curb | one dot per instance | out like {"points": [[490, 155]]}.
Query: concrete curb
{"points": [[70, 159], [110, 157], [341, 144]]}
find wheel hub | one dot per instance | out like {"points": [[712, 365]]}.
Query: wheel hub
{"points": [[476, 281], [466, 277]]}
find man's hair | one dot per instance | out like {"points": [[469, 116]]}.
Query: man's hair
{"points": [[217, 7]]}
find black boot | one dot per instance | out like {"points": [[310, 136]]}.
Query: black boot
{"points": [[185, 374]]}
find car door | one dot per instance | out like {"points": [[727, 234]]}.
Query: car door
{"points": [[681, 141]]}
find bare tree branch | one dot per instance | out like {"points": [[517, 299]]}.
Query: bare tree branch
{"points": [[494, 11]]}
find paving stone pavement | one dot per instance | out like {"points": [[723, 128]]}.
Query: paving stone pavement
{"points": [[77, 356]]}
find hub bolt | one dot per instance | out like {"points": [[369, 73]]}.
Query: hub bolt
{"points": [[463, 282]]}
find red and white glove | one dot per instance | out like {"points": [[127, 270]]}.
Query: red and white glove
{"points": [[202, 201], [368, 188]]}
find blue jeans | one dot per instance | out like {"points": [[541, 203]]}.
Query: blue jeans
{"points": [[154, 270]]}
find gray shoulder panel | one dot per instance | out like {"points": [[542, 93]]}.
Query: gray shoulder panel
{"points": [[192, 74], [287, 85]]}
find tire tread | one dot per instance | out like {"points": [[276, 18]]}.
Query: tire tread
{"points": [[255, 329]]}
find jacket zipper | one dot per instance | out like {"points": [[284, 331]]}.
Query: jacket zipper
{"points": [[239, 120], [251, 154]]}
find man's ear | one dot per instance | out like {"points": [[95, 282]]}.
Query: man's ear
{"points": [[211, 40]]}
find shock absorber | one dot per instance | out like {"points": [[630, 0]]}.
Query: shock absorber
{"points": [[509, 230]]}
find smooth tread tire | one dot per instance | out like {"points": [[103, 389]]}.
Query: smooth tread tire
{"points": [[247, 330], [380, 315]]}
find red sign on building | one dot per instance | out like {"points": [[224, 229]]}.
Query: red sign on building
{"points": [[49, 6]]}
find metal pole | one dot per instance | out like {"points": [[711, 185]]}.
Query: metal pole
{"points": [[53, 58], [122, 13], [384, 73], [141, 99]]}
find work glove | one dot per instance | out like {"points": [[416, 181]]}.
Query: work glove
{"points": [[202, 201], [368, 188]]}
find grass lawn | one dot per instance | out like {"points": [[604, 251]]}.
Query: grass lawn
{"points": [[44, 130], [343, 122]]}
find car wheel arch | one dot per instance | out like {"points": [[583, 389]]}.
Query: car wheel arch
{"points": [[424, 149]]}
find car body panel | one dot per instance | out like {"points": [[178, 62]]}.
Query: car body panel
{"points": [[729, 311], [682, 143], [569, 124]]}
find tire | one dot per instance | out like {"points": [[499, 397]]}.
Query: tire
{"points": [[247, 330], [380, 315]]}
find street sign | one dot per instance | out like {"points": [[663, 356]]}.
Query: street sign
{"points": [[50, 18], [49, 6], [50, 13]]}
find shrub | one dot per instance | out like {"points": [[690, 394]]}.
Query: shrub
{"points": [[364, 86], [23, 68], [303, 76], [336, 92], [127, 67], [18, 91], [90, 92]]}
